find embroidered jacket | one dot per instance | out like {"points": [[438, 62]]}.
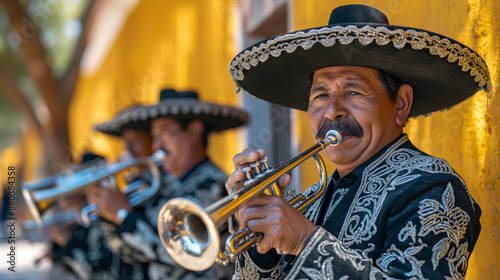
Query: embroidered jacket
{"points": [[85, 254], [401, 215], [137, 239]]}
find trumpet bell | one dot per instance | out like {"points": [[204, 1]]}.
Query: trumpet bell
{"points": [[187, 232], [190, 233]]}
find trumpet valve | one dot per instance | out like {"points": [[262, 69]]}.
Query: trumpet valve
{"points": [[263, 161], [295, 199], [255, 166], [260, 167], [247, 172]]}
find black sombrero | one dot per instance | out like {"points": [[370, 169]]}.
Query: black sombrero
{"points": [[181, 106], [126, 119], [442, 71]]}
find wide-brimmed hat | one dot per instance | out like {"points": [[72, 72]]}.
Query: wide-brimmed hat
{"points": [[182, 106], [123, 121], [442, 71]]}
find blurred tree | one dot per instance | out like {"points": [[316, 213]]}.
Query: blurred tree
{"points": [[41, 47]]}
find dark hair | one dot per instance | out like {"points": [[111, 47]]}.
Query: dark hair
{"points": [[184, 124], [391, 83]]}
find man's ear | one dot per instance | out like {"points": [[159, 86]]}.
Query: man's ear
{"points": [[404, 102], [195, 129]]}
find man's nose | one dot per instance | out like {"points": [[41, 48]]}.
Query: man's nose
{"points": [[335, 108]]}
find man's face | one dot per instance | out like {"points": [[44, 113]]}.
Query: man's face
{"points": [[169, 136], [136, 142], [354, 101]]}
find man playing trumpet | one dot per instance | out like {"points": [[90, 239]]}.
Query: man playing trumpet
{"points": [[390, 211], [180, 125]]}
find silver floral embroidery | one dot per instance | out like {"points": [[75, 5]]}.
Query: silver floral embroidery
{"points": [[395, 254], [142, 240], [343, 252], [468, 60], [409, 230], [313, 211], [443, 218], [437, 218], [325, 273], [251, 271], [78, 263], [334, 202], [458, 262], [355, 258], [360, 220], [394, 168]]}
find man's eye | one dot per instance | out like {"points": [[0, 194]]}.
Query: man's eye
{"points": [[354, 93], [322, 95]]}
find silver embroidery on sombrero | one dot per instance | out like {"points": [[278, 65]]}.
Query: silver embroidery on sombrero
{"points": [[172, 109], [328, 36]]}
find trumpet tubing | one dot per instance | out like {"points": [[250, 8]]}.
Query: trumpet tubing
{"points": [[58, 187], [190, 233]]}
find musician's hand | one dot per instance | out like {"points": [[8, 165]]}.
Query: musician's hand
{"points": [[108, 202], [73, 203], [244, 159], [237, 178], [60, 234], [284, 228]]}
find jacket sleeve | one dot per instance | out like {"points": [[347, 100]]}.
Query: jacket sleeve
{"points": [[85, 254], [136, 240]]}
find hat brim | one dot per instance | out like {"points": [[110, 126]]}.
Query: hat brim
{"points": [[116, 129], [442, 71], [215, 117]]}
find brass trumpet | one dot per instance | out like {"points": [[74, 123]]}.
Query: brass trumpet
{"points": [[190, 233], [33, 228], [60, 186]]}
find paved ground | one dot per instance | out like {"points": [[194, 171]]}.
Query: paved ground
{"points": [[26, 254]]}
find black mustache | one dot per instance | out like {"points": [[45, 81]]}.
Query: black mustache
{"points": [[343, 126]]}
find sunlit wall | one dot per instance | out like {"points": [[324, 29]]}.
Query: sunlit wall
{"points": [[467, 135], [180, 44]]}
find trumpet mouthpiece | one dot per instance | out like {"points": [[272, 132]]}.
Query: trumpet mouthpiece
{"points": [[334, 137]]}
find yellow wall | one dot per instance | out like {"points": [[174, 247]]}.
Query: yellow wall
{"points": [[180, 44], [467, 135]]}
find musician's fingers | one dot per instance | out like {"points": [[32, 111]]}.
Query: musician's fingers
{"points": [[98, 211], [94, 191], [269, 238], [91, 193], [234, 178], [284, 181], [262, 200], [240, 213], [263, 247], [247, 156], [251, 214]]}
